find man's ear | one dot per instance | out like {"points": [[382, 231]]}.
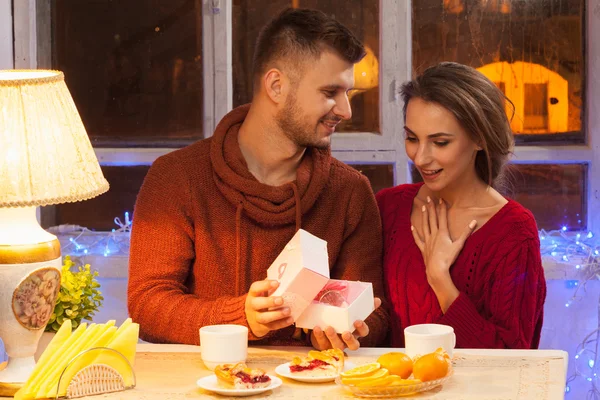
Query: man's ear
{"points": [[273, 84]]}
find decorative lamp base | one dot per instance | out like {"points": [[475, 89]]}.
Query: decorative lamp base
{"points": [[9, 389], [17, 370], [27, 296]]}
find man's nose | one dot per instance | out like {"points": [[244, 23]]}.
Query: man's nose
{"points": [[342, 108]]}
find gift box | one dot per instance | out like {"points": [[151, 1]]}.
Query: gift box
{"points": [[359, 304], [302, 269]]}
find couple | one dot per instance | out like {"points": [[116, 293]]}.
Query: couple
{"points": [[211, 218]]}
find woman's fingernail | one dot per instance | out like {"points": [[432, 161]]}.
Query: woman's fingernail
{"points": [[278, 301], [441, 201], [286, 311], [472, 224], [412, 228], [274, 283], [428, 199], [423, 208]]}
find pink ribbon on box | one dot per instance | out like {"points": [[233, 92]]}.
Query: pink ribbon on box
{"points": [[334, 293], [281, 270]]}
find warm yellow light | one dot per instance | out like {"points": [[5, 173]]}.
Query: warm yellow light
{"points": [[45, 158], [45, 154], [514, 79], [366, 71], [26, 75]]}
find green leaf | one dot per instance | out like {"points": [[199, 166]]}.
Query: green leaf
{"points": [[79, 295]]}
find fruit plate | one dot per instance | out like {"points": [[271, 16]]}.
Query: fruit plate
{"points": [[393, 390]]}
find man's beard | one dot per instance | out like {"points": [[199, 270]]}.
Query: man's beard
{"points": [[301, 133]]}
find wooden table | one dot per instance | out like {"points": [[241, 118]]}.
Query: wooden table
{"points": [[170, 372]]}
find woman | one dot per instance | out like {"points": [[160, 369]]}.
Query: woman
{"points": [[456, 251]]}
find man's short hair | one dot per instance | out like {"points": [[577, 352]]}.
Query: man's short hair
{"points": [[298, 35]]}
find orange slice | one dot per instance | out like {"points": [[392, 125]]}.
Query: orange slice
{"points": [[362, 380], [361, 370], [385, 380], [397, 381]]}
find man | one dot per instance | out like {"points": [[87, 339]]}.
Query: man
{"points": [[212, 217]]}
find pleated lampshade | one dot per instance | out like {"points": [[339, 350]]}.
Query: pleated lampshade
{"points": [[45, 154]]}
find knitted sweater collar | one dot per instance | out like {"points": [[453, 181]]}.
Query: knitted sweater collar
{"points": [[266, 205]]}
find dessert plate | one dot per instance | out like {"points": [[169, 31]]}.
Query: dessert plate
{"points": [[210, 383], [284, 370]]}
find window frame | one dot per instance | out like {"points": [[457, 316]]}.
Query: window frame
{"points": [[32, 21], [6, 35]]}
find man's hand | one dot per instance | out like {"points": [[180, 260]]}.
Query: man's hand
{"points": [[264, 313], [327, 339]]}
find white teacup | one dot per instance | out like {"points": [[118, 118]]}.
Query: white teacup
{"points": [[223, 344], [427, 338]]}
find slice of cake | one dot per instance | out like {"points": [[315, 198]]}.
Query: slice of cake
{"points": [[319, 363], [239, 376]]}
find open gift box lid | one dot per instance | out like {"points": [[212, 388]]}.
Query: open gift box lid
{"points": [[302, 269]]}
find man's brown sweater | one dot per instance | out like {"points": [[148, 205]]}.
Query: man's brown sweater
{"points": [[204, 229]]}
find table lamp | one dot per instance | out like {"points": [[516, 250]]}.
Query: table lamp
{"points": [[45, 158]]}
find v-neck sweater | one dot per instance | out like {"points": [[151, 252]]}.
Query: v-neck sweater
{"points": [[498, 273]]}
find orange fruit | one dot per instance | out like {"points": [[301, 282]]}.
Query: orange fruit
{"points": [[431, 366], [397, 363]]}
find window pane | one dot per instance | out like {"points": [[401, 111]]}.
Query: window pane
{"points": [[380, 176], [134, 68], [125, 183], [99, 213], [535, 115], [553, 192], [360, 16], [533, 51]]}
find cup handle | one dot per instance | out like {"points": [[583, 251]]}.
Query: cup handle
{"points": [[453, 340]]}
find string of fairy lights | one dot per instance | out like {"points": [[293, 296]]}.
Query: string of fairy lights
{"points": [[80, 241], [580, 251]]}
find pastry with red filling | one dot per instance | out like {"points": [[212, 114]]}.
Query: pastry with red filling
{"points": [[319, 363], [239, 376]]}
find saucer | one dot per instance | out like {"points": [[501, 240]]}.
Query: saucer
{"points": [[210, 383], [284, 370]]}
